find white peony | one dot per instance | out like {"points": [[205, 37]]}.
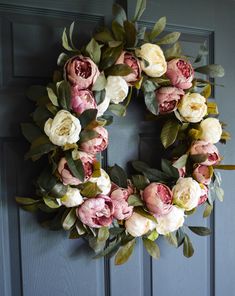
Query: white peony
{"points": [[63, 129], [192, 107], [103, 182], [210, 130], [102, 107], [153, 55], [171, 221], [116, 89], [72, 198], [186, 193], [138, 225]]}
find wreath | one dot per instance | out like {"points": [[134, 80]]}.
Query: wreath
{"points": [[108, 208]]}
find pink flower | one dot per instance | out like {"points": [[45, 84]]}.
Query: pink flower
{"points": [[180, 72], [202, 147], [158, 198], [204, 194], [82, 100], [168, 98], [97, 144], [130, 60], [119, 197], [81, 71], [65, 174], [203, 174], [96, 212]]}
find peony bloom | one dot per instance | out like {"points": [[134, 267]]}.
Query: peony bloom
{"points": [[158, 198], [171, 221], [72, 198], [130, 60], [138, 225], [152, 54], [192, 107], [186, 193], [210, 130], [97, 144], [168, 98], [180, 72], [82, 100], [65, 174], [116, 89], [96, 212], [81, 71], [63, 129], [119, 196], [204, 194], [103, 182], [87, 160], [102, 107], [202, 147], [203, 174]]}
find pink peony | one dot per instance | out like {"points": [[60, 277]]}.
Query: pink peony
{"points": [[202, 147], [168, 98], [203, 174], [130, 60], [81, 71], [180, 72], [158, 198], [96, 212], [65, 174], [204, 194], [82, 100], [97, 144]]}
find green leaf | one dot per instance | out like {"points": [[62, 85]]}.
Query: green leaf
{"points": [[169, 169], [112, 247], [198, 158], [90, 189], [103, 234], [36, 92], [169, 38], [140, 166], [110, 56], [124, 252], [212, 70], [118, 176], [99, 96], [142, 212], [119, 13], [203, 51], [104, 36], [87, 135], [52, 96], [64, 94], [71, 28], [172, 239], [152, 248], [58, 190], [181, 162], [151, 102], [130, 34], [100, 83], [180, 235], [140, 181], [158, 28], [62, 59], [153, 235], [224, 167], [65, 42], [107, 118], [118, 31], [140, 8], [174, 51], [199, 230], [208, 210], [26, 201], [39, 147], [75, 166], [94, 51], [118, 70], [117, 109], [51, 202], [219, 193], [149, 86], [87, 117], [30, 131], [69, 219], [155, 175], [135, 200], [169, 132], [188, 247]]}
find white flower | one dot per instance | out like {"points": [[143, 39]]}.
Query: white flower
{"points": [[138, 225], [186, 193], [63, 129], [103, 182], [153, 55], [210, 130], [192, 107], [72, 198], [116, 89], [171, 221], [102, 107]]}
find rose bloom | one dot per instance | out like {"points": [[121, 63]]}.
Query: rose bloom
{"points": [[168, 98], [98, 143], [116, 89], [81, 71], [103, 182], [153, 55], [171, 221], [158, 198], [192, 107], [63, 129], [210, 130], [180, 72], [202, 147], [96, 212], [203, 174], [73, 198], [138, 225], [186, 193], [204, 194], [87, 160], [119, 196], [130, 60], [82, 100]]}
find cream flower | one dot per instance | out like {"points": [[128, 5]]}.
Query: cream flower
{"points": [[103, 182], [138, 225], [72, 198], [116, 89], [210, 130]]}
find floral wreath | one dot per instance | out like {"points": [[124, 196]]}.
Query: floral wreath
{"points": [[107, 208]]}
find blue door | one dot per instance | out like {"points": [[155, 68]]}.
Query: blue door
{"points": [[38, 262]]}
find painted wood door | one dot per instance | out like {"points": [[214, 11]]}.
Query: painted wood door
{"points": [[36, 262]]}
